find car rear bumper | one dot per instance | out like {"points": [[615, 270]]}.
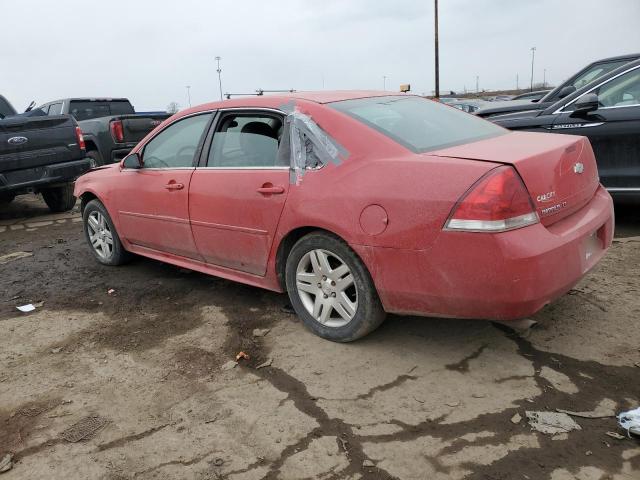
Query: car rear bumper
{"points": [[43, 176], [503, 276]]}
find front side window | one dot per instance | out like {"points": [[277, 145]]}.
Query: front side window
{"points": [[596, 72], [419, 124], [246, 140], [176, 145], [622, 91]]}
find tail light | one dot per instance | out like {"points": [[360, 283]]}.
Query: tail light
{"points": [[116, 131], [497, 202], [80, 139]]}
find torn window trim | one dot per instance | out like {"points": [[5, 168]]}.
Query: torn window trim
{"points": [[303, 131]]}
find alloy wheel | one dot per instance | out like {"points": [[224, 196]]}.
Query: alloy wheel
{"points": [[100, 235], [327, 288]]}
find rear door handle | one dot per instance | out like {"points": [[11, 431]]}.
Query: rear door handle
{"points": [[270, 190], [174, 186]]}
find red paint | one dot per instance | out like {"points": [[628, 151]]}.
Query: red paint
{"points": [[230, 223]]}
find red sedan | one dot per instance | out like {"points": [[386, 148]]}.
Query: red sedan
{"points": [[357, 204]]}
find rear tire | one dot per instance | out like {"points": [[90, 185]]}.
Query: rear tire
{"points": [[95, 158], [331, 290], [59, 199], [101, 235]]}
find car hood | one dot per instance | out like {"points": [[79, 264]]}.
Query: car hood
{"points": [[508, 106], [516, 115]]}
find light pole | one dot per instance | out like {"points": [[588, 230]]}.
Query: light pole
{"points": [[384, 83], [437, 52], [477, 83], [219, 70], [544, 78], [188, 87], [533, 57]]}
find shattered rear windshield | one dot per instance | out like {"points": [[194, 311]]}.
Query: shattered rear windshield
{"points": [[419, 124]]}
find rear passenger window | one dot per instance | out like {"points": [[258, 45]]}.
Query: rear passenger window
{"points": [[246, 140], [55, 109]]}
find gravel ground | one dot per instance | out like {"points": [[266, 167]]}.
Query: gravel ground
{"points": [[137, 383]]}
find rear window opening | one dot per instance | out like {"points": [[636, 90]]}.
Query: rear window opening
{"points": [[419, 124], [84, 110]]}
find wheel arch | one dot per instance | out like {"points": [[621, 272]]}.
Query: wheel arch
{"points": [[86, 197], [290, 239]]}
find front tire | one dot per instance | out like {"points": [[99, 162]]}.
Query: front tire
{"points": [[331, 290], [101, 235], [59, 199]]}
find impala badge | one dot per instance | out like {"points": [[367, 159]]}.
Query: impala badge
{"points": [[17, 140], [578, 168]]}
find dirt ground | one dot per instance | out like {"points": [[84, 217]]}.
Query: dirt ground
{"points": [[139, 374]]}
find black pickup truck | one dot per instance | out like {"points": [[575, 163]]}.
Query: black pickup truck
{"points": [[40, 154], [110, 126]]}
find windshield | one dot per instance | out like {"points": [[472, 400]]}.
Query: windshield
{"points": [[6, 109], [84, 110], [419, 124]]}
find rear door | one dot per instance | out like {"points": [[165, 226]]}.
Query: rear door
{"points": [[613, 130], [237, 197], [153, 201]]}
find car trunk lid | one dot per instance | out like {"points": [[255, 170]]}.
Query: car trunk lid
{"points": [[559, 171]]}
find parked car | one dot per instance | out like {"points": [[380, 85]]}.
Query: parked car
{"points": [[531, 96], [586, 75], [357, 204], [607, 111], [110, 125], [40, 154]]}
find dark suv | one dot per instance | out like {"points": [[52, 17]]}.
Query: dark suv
{"points": [[583, 77]]}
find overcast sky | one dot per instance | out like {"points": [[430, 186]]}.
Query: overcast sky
{"points": [[149, 50]]}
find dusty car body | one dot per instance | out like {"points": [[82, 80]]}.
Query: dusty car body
{"points": [[357, 204]]}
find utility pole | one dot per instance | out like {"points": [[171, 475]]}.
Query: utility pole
{"points": [[477, 84], [188, 87], [384, 83], [517, 79], [533, 57], [219, 70], [437, 53], [544, 78]]}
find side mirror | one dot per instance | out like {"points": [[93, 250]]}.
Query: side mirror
{"points": [[566, 91], [585, 104], [132, 160]]}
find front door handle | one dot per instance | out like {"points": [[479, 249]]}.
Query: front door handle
{"points": [[268, 189], [174, 186]]}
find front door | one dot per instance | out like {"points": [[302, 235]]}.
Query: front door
{"points": [[235, 201], [613, 130], [153, 201]]}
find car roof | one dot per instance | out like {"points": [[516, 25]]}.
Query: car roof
{"points": [[276, 101], [89, 99]]}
